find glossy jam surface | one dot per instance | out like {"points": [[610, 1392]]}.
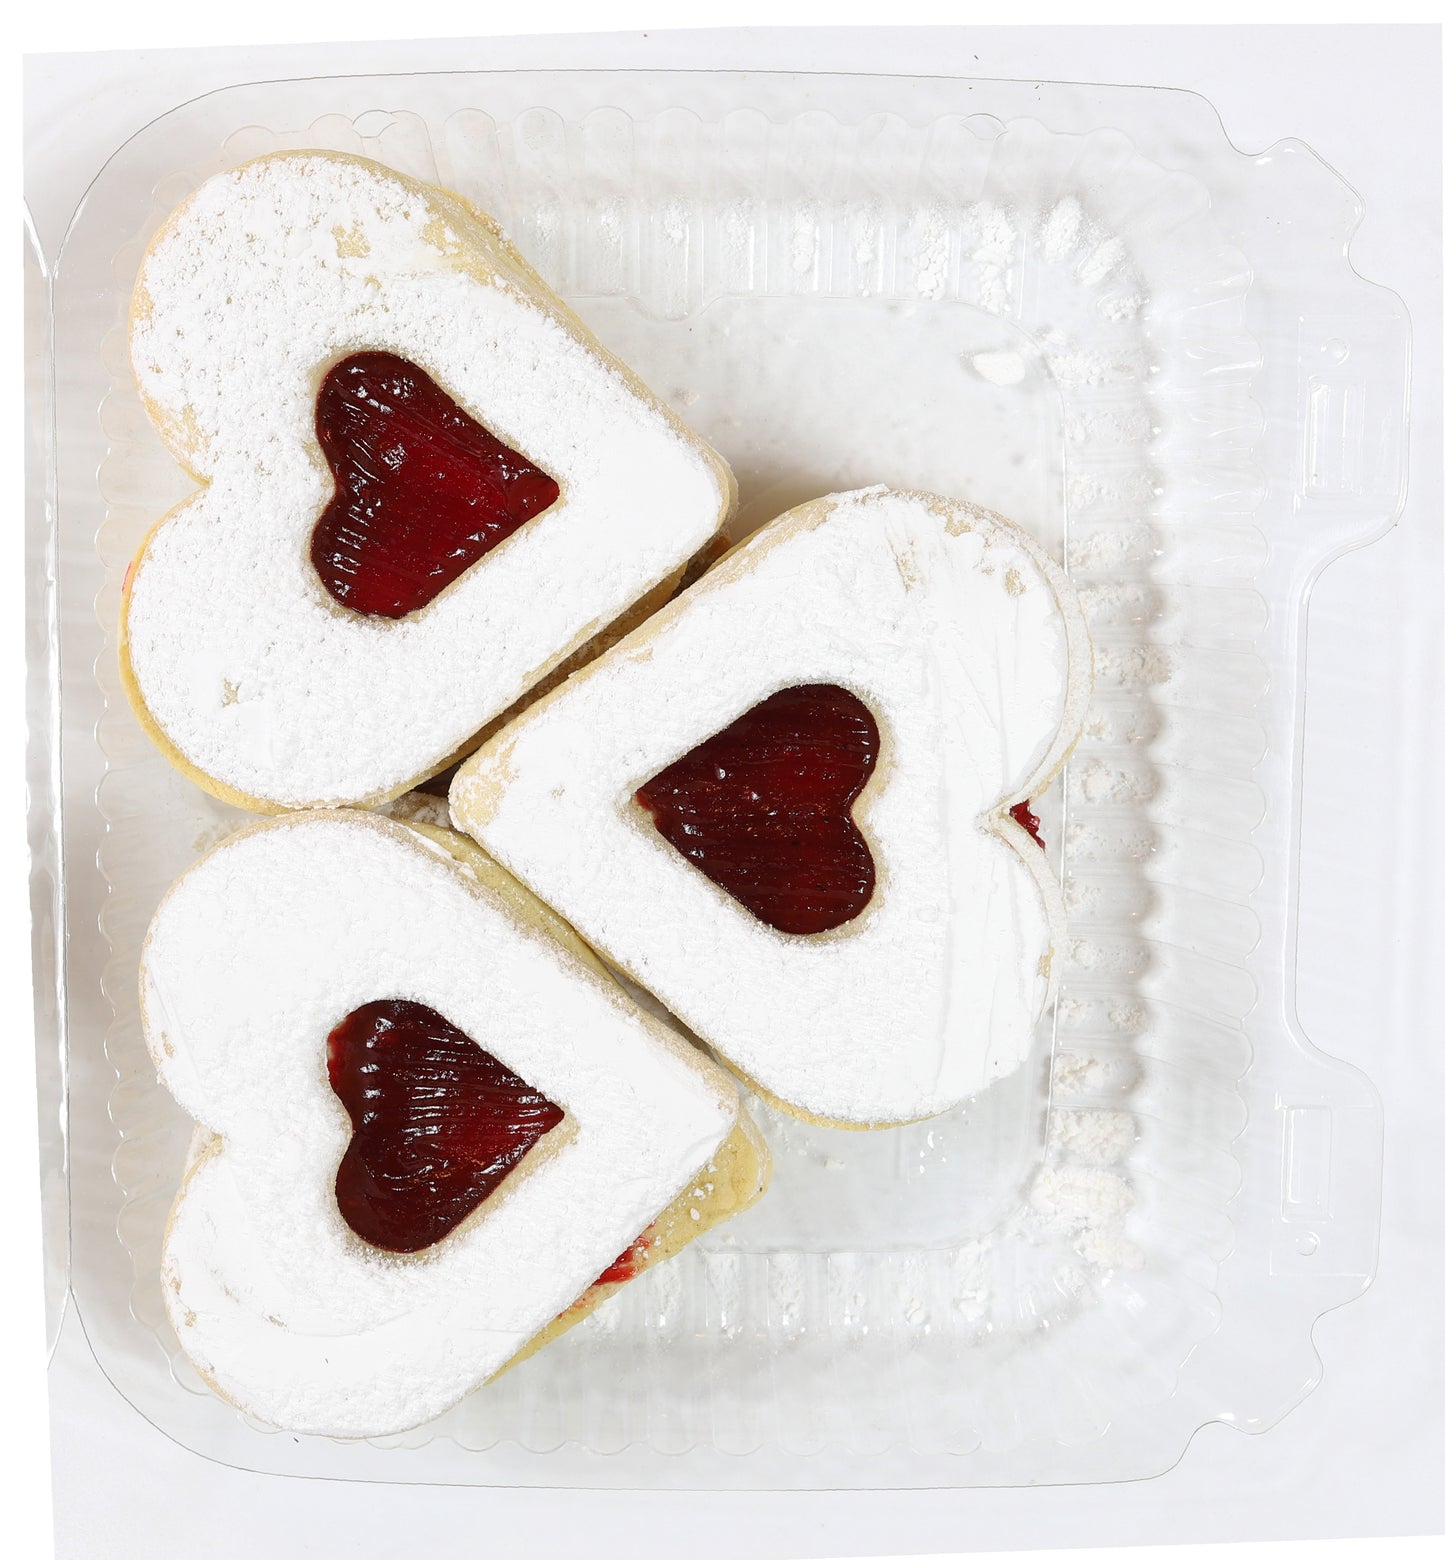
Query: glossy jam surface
{"points": [[437, 1123], [764, 808], [1027, 819], [422, 489]]}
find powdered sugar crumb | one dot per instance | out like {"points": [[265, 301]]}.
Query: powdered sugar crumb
{"points": [[1061, 229], [999, 368], [929, 231], [675, 223], [1097, 1137]]}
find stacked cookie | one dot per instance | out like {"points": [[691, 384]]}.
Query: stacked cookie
{"points": [[436, 520]]}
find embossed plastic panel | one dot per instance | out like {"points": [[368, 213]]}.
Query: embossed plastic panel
{"points": [[1080, 306]]}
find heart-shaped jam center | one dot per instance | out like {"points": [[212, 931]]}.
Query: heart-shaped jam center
{"points": [[437, 1123], [764, 808], [422, 489]]}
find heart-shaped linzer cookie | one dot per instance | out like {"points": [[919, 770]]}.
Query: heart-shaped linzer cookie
{"points": [[422, 489], [764, 807], [437, 1123]]}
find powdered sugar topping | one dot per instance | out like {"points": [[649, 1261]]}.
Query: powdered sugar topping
{"points": [[252, 959], [970, 652], [265, 278]]}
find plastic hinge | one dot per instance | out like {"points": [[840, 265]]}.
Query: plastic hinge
{"points": [[1354, 404]]}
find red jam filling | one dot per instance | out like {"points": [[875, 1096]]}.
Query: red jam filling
{"points": [[764, 808], [1027, 819], [422, 489], [437, 1123], [628, 1265]]}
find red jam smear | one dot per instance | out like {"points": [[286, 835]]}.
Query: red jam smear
{"points": [[437, 1123], [628, 1265], [422, 489], [764, 808], [1027, 819]]}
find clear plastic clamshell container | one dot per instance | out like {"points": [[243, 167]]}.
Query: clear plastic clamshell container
{"points": [[1080, 306]]}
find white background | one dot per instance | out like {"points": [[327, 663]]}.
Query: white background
{"points": [[1365, 1453]]}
